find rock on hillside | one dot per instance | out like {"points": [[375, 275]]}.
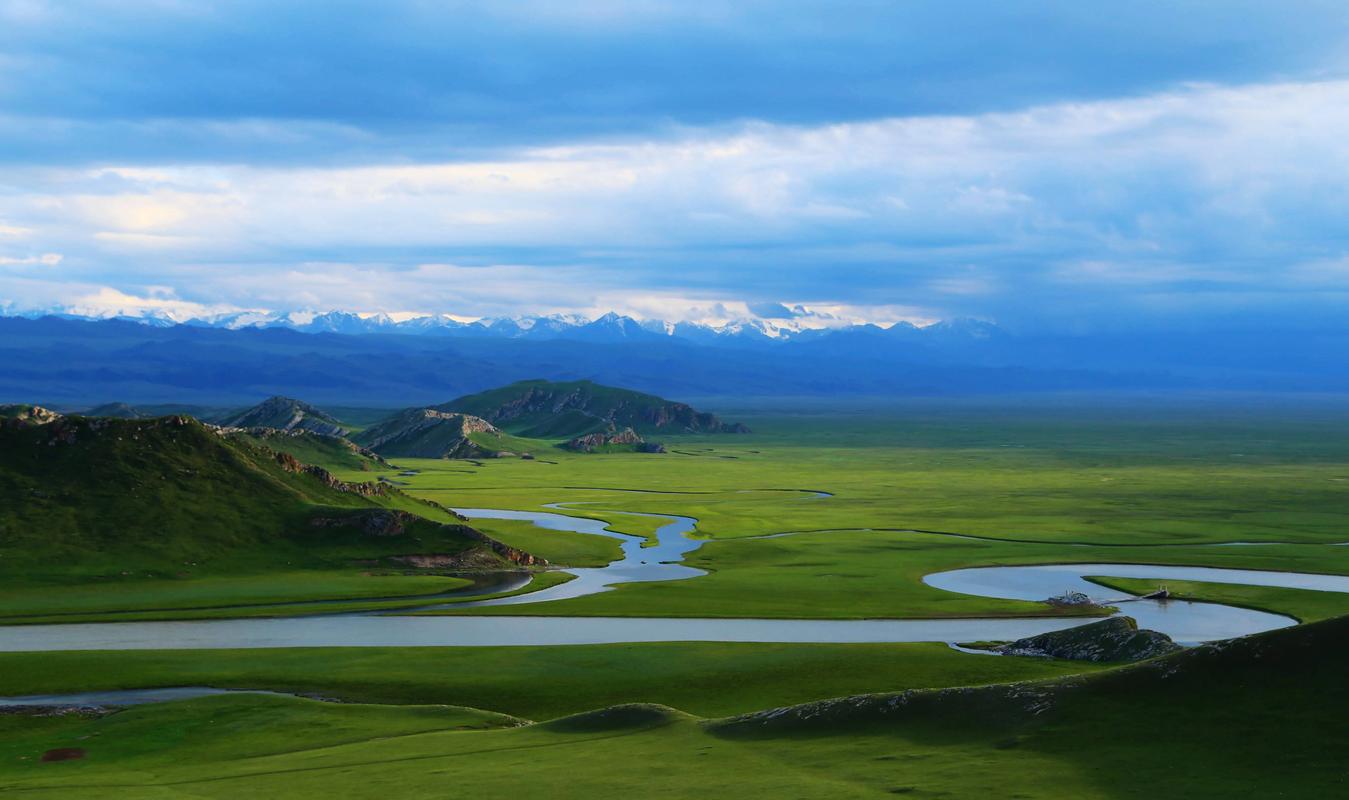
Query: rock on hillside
{"points": [[626, 439], [333, 452], [545, 409], [19, 415], [429, 433], [285, 414], [1114, 639]]}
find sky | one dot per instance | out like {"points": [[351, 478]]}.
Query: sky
{"points": [[1043, 165]]}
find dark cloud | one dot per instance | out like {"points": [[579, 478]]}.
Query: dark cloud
{"points": [[322, 81]]}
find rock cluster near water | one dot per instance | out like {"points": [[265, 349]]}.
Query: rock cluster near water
{"points": [[1114, 639]]}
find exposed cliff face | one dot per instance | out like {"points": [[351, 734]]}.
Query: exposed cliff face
{"points": [[285, 414], [1114, 639], [547, 409], [428, 433]]}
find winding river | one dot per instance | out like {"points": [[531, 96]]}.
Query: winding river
{"points": [[1186, 622]]}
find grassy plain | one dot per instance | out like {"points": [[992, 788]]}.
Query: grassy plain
{"points": [[1303, 604], [537, 683], [1030, 486], [1259, 717]]}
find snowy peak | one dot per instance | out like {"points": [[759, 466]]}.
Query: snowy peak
{"points": [[611, 327]]}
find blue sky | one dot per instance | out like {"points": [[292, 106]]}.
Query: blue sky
{"points": [[1041, 164]]}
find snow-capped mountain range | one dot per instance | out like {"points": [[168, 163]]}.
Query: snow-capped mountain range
{"points": [[610, 327]]}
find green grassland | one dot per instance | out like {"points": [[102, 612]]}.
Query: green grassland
{"points": [[557, 547], [327, 451], [145, 516], [1256, 717], [538, 683], [1198, 724], [1033, 487], [1305, 605]]}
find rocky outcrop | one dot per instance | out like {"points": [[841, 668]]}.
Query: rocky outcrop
{"points": [[275, 439], [18, 415], [60, 429], [374, 522], [625, 438], [290, 463], [285, 414], [1114, 639], [428, 433]]}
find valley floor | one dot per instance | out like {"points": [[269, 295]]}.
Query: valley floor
{"points": [[908, 496]]}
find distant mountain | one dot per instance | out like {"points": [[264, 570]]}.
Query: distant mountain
{"points": [[78, 363], [548, 410], [610, 327], [432, 433], [173, 496], [285, 414], [118, 411]]}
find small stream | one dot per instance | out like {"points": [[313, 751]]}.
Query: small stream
{"points": [[638, 565]]}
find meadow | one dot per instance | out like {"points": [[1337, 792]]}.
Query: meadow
{"points": [[1196, 724], [908, 493]]}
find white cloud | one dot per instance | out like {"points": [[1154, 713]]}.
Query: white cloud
{"points": [[1203, 183], [46, 260]]}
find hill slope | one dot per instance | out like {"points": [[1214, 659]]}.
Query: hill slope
{"points": [[545, 409], [285, 414], [329, 452], [430, 433], [118, 410], [97, 496]]}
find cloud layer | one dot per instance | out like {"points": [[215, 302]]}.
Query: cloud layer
{"points": [[1032, 164]]}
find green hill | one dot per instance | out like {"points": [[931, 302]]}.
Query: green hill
{"points": [[431, 433], [549, 410], [285, 414], [99, 496], [118, 410], [329, 452]]}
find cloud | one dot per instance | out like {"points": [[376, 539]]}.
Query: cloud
{"points": [[1062, 203], [771, 310], [46, 260], [327, 81]]}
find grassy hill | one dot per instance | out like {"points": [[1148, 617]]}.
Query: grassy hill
{"points": [[285, 414], [552, 410], [118, 410], [329, 452], [171, 496], [432, 433]]}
